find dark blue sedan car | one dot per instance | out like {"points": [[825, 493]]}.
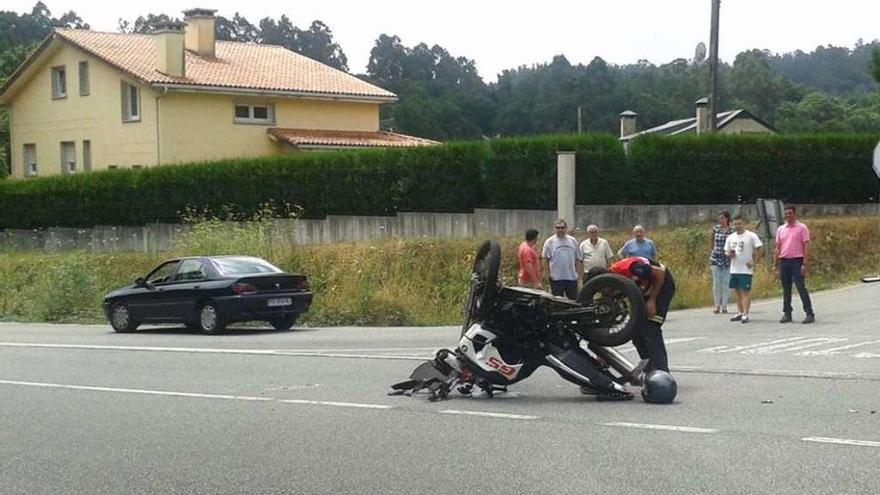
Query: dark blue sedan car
{"points": [[209, 293]]}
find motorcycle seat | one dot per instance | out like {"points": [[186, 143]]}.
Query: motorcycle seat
{"points": [[526, 293]]}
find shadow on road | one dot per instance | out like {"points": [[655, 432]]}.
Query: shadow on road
{"points": [[229, 332]]}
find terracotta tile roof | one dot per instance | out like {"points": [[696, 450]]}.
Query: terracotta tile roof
{"points": [[358, 139], [236, 65]]}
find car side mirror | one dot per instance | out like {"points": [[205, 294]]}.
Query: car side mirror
{"points": [[140, 282]]}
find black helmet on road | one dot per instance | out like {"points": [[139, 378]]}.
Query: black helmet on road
{"points": [[660, 387]]}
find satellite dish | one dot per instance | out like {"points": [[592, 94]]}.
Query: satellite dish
{"points": [[700, 53]]}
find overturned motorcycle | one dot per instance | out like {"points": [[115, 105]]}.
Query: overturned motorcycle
{"points": [[509, 332]]}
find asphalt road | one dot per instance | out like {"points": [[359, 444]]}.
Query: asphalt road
{"points": [[762, 408]]}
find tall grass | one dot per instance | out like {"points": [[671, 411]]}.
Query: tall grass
{"points": [[395, 282]]}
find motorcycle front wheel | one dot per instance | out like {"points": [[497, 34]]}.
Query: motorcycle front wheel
{"points": [[619, 307]]}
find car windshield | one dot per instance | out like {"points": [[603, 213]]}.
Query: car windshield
{"points": [[244, 266]]}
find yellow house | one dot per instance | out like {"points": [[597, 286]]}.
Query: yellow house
{"points": [[88, 100]]}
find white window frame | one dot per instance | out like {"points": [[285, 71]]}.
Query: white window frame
{"points": [[84, 83], [250, 119], [127, 114], [59, 82], [29, 159], [69, 167]]}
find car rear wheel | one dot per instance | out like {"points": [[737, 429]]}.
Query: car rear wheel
{"points": [[121, 320], [210, 320], [283, 323]]}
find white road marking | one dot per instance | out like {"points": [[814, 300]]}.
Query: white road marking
{"points": [[723, 349], [795, 346], [335, 404], [672, 341], [842, 441], [824, 375], [208, 350], [645, 426], [354, 356], [134, 391], [866, 355], [837, 350], [137, 348], [192, 395], [489, 414]]}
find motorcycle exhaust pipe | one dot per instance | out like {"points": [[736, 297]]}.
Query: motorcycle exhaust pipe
{"points": [[614, 359]]}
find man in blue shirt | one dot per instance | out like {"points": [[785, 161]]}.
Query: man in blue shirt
{"points": [[639, 246]]}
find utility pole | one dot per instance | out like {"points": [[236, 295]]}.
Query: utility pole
{"points": [[713, 67], [580, 121]]}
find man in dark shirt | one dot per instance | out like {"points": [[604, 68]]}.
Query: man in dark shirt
{"points": [[658, 286]]}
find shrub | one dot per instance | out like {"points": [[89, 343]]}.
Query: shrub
{"points": [[741, 168]]}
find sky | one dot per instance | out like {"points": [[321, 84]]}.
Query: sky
{"points": [[506, 34]]}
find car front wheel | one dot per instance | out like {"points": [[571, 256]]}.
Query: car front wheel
{"points": [[121, 320], [283, 323], [210, 321]]}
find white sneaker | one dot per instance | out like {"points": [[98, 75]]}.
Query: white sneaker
{"points": [[745, 319]]}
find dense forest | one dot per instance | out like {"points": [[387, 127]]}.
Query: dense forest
{"points": [[443, 96]]}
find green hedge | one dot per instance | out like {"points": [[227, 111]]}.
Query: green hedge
{"points": [[504, 173], [729, 169]]}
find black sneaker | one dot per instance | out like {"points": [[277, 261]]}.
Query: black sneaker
{"points": [[614, 396], [786, 318], [738, 317], [809, 319], [589, 390]]}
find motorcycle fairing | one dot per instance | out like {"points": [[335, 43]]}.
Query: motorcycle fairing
{"points": [[477, 346]]}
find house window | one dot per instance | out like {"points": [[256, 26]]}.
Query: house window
{"points": [[131, 103], [83, 78], [254, 114], [59, 82], [68, 157], [87, 156], [29, 152]]}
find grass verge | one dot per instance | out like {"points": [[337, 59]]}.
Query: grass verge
{"points": [[399, 282]]}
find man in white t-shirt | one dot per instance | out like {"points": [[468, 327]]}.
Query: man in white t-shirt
{"points": [[596, 251], [744, 248], [563, 261]]}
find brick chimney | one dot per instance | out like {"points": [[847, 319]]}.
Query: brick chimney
{"points": [[703, 124], [628, 123], [200, 31], [168, 40]]}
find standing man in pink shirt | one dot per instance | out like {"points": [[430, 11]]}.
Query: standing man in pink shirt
{"points": [[791, 263]]}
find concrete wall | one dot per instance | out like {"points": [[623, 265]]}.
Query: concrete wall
{"points": [[333, 229]]}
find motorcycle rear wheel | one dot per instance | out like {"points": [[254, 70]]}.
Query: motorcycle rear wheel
{"points": [[619, 305]]}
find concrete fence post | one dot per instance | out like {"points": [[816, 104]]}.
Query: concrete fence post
{"points": [[565, 192]]}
